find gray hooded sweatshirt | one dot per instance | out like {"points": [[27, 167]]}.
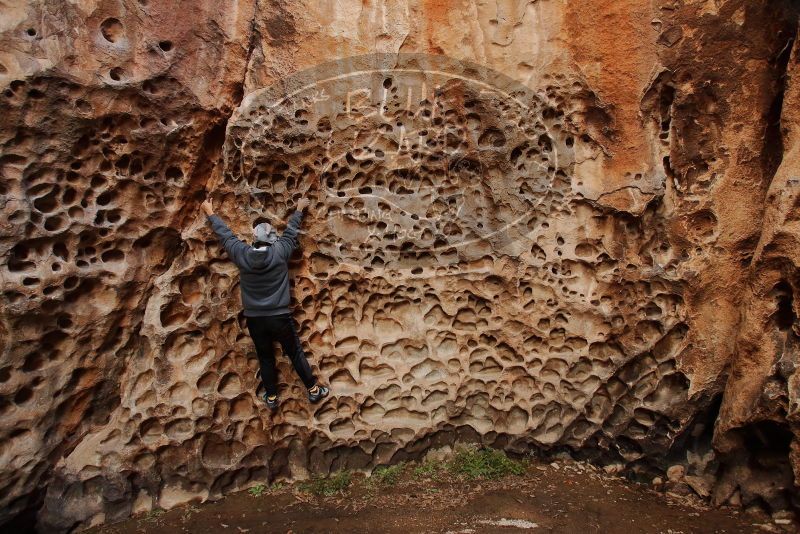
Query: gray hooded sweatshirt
{"points": [[263, 272]]}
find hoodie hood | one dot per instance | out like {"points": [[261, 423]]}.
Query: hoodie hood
{"points": [[265, 233]]}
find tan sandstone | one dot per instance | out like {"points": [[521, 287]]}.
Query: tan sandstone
{"points": [[538, 225]]}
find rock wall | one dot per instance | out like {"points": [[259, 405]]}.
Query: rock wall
{"points": [[539, 225]]}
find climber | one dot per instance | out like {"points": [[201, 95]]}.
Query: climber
{"points": [[264, 283]]}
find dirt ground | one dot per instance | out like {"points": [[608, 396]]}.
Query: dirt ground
{"points": [[563, 497]]}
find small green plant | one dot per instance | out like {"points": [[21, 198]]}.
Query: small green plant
{"points": [[476, 463], [261, 489], [188, 512], [328, 486], [428, 469], [387, 475], [154, 515], [257, 490]]}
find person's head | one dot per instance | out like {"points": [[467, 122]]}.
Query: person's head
{"points": [[264, 234]]}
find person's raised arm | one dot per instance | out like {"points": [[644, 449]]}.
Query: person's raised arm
{"points": [[288, 239], [235, 248]]}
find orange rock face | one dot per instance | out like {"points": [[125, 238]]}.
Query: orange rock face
{"points": [[535, 225]]}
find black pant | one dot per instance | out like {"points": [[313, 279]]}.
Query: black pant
{"points": [[280, 328]]}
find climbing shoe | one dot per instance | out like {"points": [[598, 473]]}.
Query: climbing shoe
{"points": [[320, 393], [272, 402]]}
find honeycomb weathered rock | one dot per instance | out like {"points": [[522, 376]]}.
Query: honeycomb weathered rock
{"points": [[538, 225]]}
